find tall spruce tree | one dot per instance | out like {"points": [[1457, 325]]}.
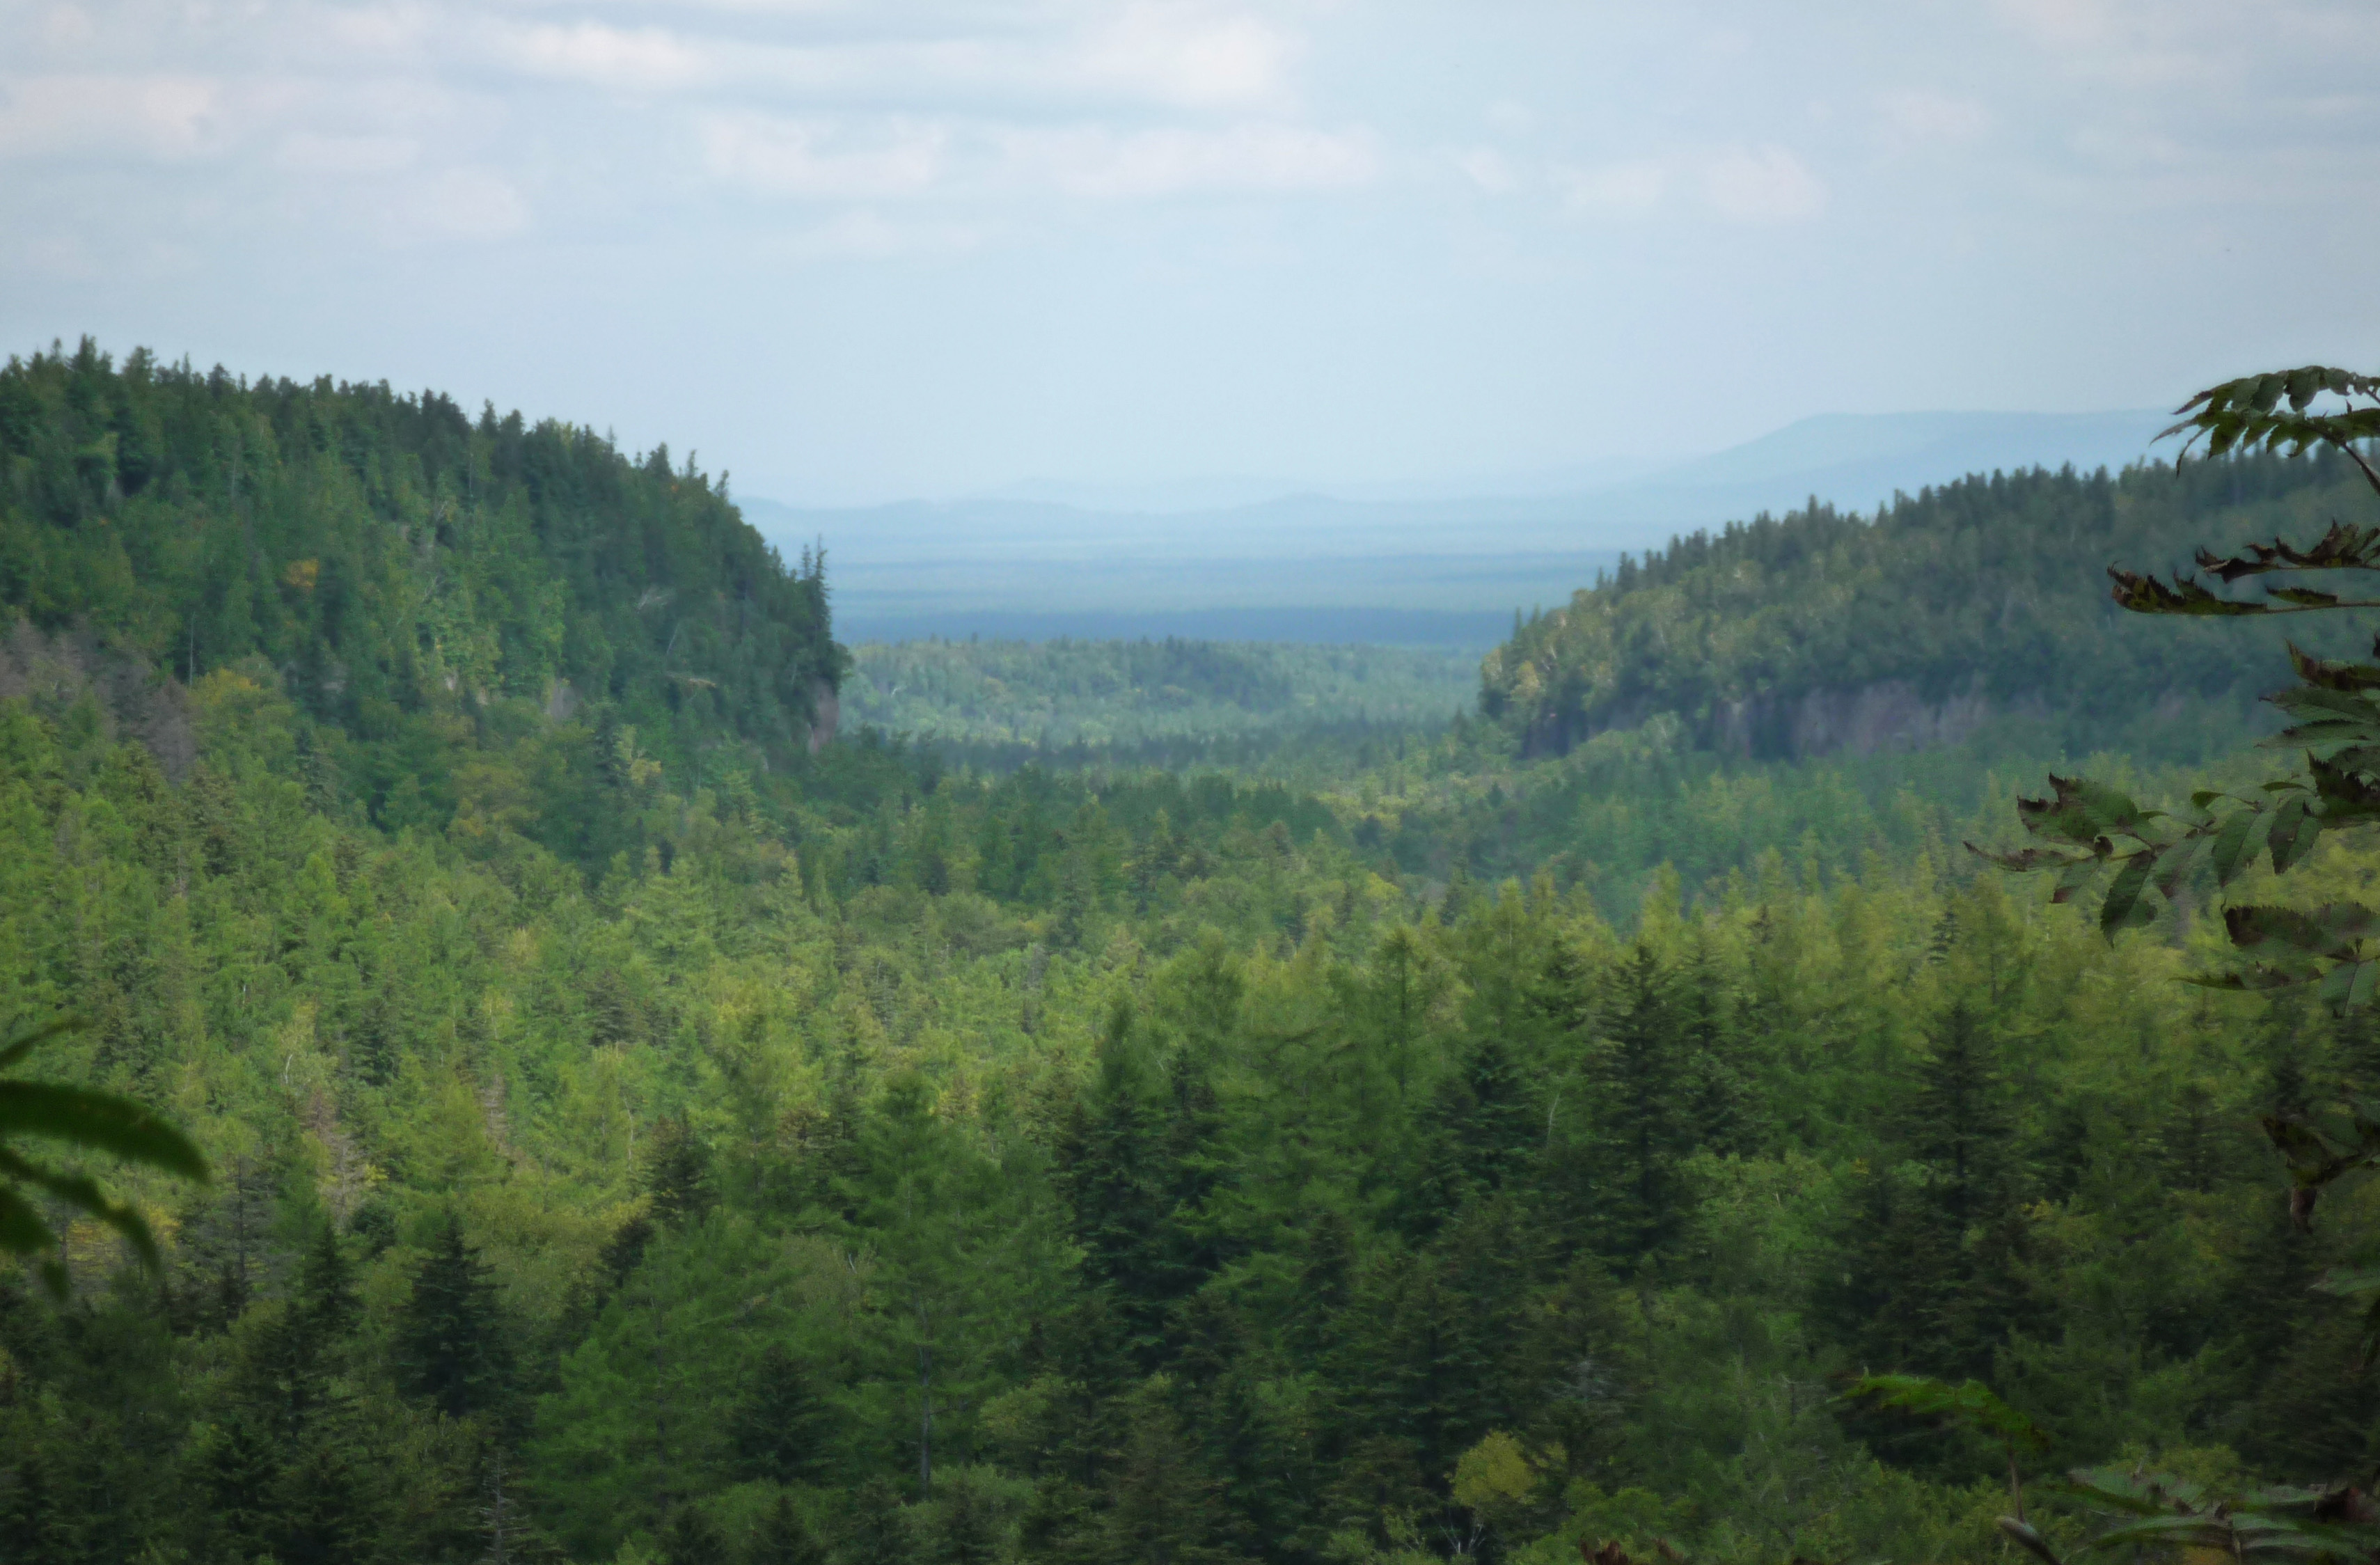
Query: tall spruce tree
{"points": [[1112, 1166], [451, 1346], [676, 1175], [691, 1537], [1640, 1101], [780, 1428], [1929, 1275], [1479, 1132], [875, 1526], [784, 1539]]}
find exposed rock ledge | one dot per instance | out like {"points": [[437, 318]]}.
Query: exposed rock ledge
{"points": [[826, 710], [1864, 720]]}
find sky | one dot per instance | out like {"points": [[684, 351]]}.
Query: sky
{"points": [[853, 250]]}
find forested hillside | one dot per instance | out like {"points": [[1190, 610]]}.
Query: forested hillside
{"points": [[1821, 631], [425, 587], [656, 1143]]}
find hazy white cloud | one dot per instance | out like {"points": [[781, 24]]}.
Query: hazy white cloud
{"points": [[823, 158], [308, 152], [1912, 115], [1488, 169], [1614, 189], [638, 58], [1762, 184], [1162, 53], [167, 118], [1188, 54], [69, 26], [1098, 160], [2064, 24], [867, 235], [458, 204], [897, 159]]}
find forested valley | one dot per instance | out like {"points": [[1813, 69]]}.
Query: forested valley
{"points": [[655, 1115]]}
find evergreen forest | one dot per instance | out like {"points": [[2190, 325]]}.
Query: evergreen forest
{"points": [[668, 1100]]}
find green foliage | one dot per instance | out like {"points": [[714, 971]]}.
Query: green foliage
{"points": [[2160, 1510], [95, 1122], [1971, 1405], [2087, 829], [2247, 413]]}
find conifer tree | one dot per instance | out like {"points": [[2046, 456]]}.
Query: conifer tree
{"points": [[693, 1538], [2190, 1141], [1323, 1281], [504, 1515], [38, 1522], [1929, 1275], [677, 1175], [1956, 1121], [1726, 1107], [937, 1216], [1111, 1165], [326, 1289], [784, 1539], [781, 1428], [964, 1528], [1162, 1505], [1479, 1131], [1641, 1124], [451, 1347], [239, 1471], [875, 1529]]}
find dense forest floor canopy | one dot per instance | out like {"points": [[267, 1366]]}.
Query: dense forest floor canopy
{"points": [[641, 1138], [1172, 703]]}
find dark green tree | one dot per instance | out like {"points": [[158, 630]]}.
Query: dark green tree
{"points": [[326, 1288], [784, 1539], [962, 1526], [875, 1527], [782, 1428], [1481, 1129], [1161, 1504], [1112, 1166], [693, 1538], [1928, 1274], [451, 1346], [1641, 1128], [676, 1173]]}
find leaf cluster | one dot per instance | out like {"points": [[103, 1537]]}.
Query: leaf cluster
{"points": [[2277, 1522], [2246, 414], [2085, 827], [1971, 1405], [85, 1121]]}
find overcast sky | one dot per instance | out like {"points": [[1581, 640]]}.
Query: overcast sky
{"points": [[890, 247]]}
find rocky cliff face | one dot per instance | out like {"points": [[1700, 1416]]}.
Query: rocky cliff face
{"points": [[1862, 720], [826, 709]]}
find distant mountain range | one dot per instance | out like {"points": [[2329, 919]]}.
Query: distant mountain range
{"points": [[1451, 562]]}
